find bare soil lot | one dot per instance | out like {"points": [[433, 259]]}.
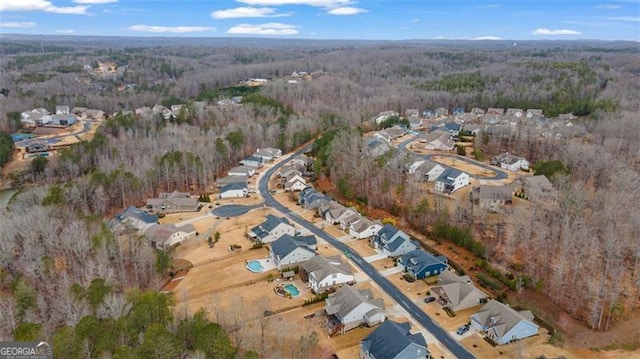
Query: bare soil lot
{"points": [[362, 247]]}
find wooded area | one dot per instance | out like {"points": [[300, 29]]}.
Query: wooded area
{"points": [[587, 253]]}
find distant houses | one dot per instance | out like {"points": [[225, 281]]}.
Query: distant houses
{"points": [[349, 308], [502, 324], [392, 340], [323, 273]]}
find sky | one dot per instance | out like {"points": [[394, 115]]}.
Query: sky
{"points": [[329, 19]]}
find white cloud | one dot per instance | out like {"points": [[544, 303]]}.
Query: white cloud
{"points": [[23, 24], [607, 7], [346, 10], [170, 29], [415, 20], [41, 5], [272, 28], [555, 32], [316, 3], [95, 2], [69, 31], [246, 12], [625, 18], [487, 38]]}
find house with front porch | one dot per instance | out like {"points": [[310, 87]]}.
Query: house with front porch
{"points": [[287, 250], [392, 242], [420, 264], [349, 308], [322, 273], [271, 229], [502, 324]]}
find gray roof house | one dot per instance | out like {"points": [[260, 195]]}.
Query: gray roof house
{"points": [[349, 308], [425, 170], [333, 212], [271, 229], [323, 273], [510, 162], [165, 236], [393, 340], [233, 190], [535, 188], [457, 292], [242, 171], [421, 264], [268, 154], [223, 181], [135, 218], [309, 198], [253, 161], [392, 241], [376, 147], [173, 202], [288, 250], [492, 198], [503, 324], [451, 180], [364, 228], [438, 140]]}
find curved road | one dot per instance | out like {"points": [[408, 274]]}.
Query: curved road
{"points": [[500, 174], [452, 345], [234, 210]]}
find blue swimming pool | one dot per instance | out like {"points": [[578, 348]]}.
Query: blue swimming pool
{"points": [[255, 266], [292, 289]]}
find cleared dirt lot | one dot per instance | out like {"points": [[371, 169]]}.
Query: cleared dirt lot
{"points": [[362, 247]]}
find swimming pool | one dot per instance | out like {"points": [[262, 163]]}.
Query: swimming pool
{"points": [[292, 289], [255, 266]]}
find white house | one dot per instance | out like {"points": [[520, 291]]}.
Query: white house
{"points": [[392, 242], [457, 292], [364, 228], [234, 190], [385, 115], [349, 308], [288, 250], [297, 184], [503, 324], [253, 161], [268, 154], [271, 229], [425, 170], [323, 273], [242, 171], [165, 236], [510, 162], [451, 180]]}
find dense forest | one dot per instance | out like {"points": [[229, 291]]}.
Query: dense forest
{"points": [[587, 253]]}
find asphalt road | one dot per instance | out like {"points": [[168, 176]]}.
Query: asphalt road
{"points": [[55, 139], [233, 210], [451, 344], [500, 174]]}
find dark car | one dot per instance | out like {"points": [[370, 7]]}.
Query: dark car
{"points": [[463, 329], [429, 299]]}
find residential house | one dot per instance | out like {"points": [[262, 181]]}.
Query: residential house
{"points": [[438, 140], [510, 162], [349, 308], [457, 111], [532, 112], [492, 198], [309, 198], [473, 129], [173, 202], [515, 112], [451, 180], [295, 183], [94, 114], [301, 160], [135, 218], [364, 228], [35, 146], [420, 264], [291, 169], [242, 171], [376, 147], [429, 113], [233, 190], [477, 111], [441, 112], [166, 236], [323, 273], [457, 292], [288, 250], [62, 110], [412, 113], [535, 188], [79, 111], [495, 111], [426, 170], [391, 133], [393, 340], [268, 154], [62, 120], [253, 161], [271, 229], [451, 127], [333, 212], [503, 324], [383, 116], [223, 181], [392, 241]]}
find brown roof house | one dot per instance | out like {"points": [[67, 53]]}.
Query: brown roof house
{"points": [[492, 198], [173, 202], [457, 292]]}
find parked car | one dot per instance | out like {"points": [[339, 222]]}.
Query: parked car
{"points": [[463, 329], [429, 299]]}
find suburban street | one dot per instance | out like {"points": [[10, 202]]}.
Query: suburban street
{"points": [[418, 315], [500, 174]]}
